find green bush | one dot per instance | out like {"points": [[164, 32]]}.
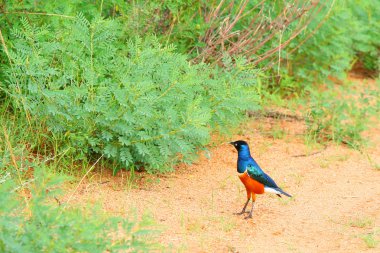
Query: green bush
{"points": [[350, 33], [135, 102], [178, 22], [341, 115], [34, 217], [71, 75], [39, 224]]}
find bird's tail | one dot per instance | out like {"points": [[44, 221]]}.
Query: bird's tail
{"points": [[284, 193], [276, 191]]}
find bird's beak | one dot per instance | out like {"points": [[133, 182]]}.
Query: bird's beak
{"points": [[232, 143]]}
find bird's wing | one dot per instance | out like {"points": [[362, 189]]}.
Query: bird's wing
{"points": [[256, 173]]}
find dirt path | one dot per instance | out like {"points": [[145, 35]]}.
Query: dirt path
{"points": [[336, 198]]}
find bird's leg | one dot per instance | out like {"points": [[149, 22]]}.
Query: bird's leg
{"points": [[250, 213], [253, 204], [245, 206], [249, 196]]}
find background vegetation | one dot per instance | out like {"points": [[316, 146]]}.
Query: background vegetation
{"points": [[31, 223], [143, 85]]}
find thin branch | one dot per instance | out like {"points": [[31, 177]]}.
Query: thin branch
{"points": [[275, 115], [80, 182], [14, 162], [38, 13], [315, 29], [5, 47], [311, 154], [221, 38], [269, 53]]}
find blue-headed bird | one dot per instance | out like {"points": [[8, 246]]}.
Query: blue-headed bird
{"points": [[253, 177]]}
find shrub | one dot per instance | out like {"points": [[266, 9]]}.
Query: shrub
{"points": [[209, 28], [135, 102], [349, 33], [341, 115], [34, 217], [32, 221], [179, 22]]}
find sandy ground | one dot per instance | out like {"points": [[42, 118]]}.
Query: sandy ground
{"points": [[336, 199]]}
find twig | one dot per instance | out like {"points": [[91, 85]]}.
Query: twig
{"points": [[269, 53], [315, 29], [52, 158], [14, 162], [17, 84], [88, 171], [5, 47], [4, 178], [38, 13], [166, 91], [275, 115], [221, 39], [314, 153], [58, 201]]}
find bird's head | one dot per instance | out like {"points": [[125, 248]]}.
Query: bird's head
{"points": [[240, 145]]}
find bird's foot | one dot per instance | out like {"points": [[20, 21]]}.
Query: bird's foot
{"points": [[249, 216], [240, 213]]}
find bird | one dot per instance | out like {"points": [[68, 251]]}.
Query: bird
{"points": [[255, 180]]}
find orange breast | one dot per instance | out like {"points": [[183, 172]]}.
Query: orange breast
{"points": [[250, 184]]}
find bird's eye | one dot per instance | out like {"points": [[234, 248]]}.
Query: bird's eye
{"points": [[235, 144]]}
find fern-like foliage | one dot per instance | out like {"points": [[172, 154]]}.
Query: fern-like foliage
{"points": [[136, 101]]}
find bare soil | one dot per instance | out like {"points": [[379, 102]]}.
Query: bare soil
{"points": [[336, 193]]}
